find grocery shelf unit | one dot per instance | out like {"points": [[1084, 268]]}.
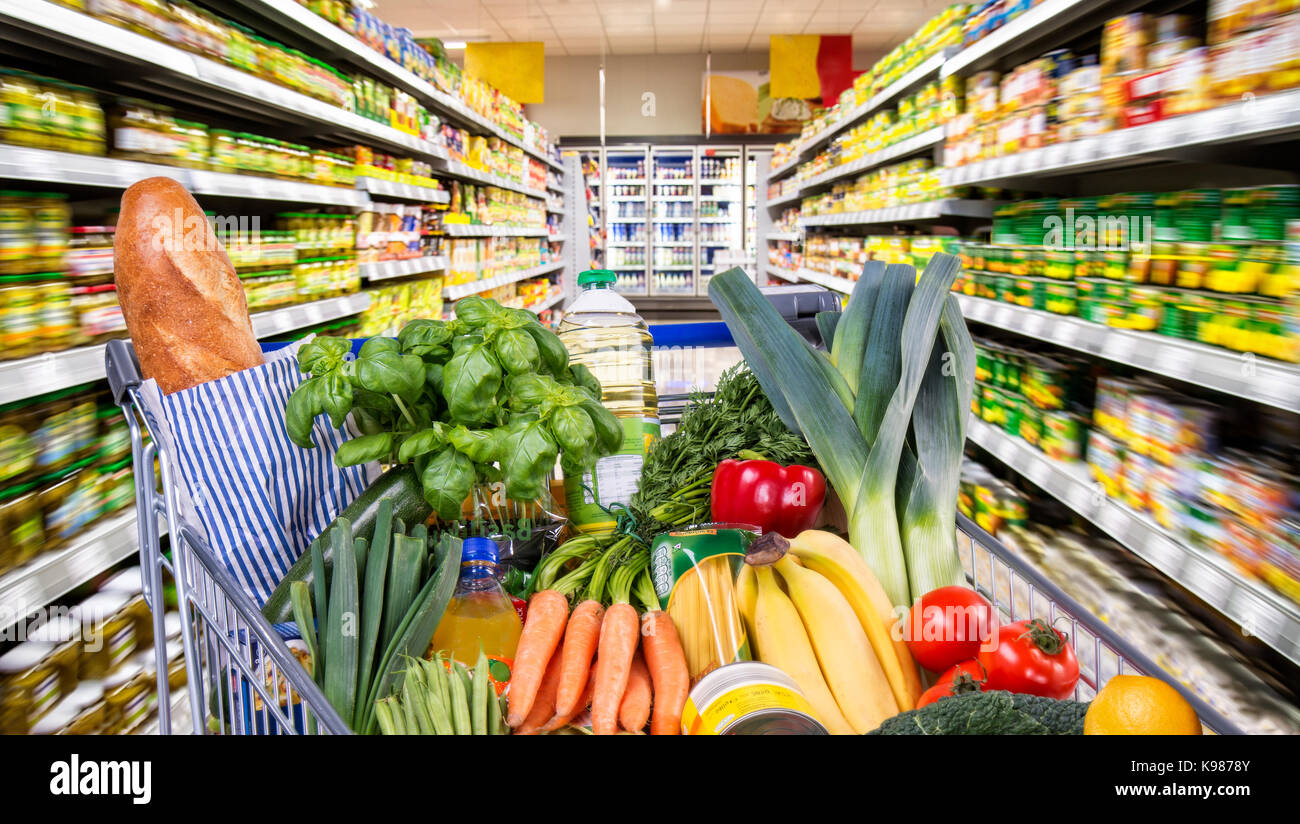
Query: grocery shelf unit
{"points": [[1245, 143], [74, 46]]}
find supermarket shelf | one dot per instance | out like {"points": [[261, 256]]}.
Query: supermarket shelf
{"points": [[625, 220], [1267, 615], [686, 268], [455, 168], [555, 210], [1238, 123], [546, 304], [783, 200], [916, 143], [461, 290], [305, 23], [931, 210], [386, 269], [786, 167], [403, 191], [640, 198], [475, 230], [1040, 21], [625, 244], [45, 166], [196, 79], [784, 274], [719, 181], [782, 236], [917, 76], [52, 371], [672, 219], [1255, 378], [832, 282], [52, 574], [279, 321]]}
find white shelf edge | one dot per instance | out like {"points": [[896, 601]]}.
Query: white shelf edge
{"points": [[1257, 379], [1016, 30], [479, 230], [388, 269], [792, 236], [915, 143], [405, 191], [52, 371], [1212, 578], [52, 574], [460, 290], [929, 210]]}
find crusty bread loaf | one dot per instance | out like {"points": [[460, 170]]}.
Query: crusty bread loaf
{"points": [[181, 299]]}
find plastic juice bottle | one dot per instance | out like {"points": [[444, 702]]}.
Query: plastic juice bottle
{"points": [[603, 332], [480, 614]]}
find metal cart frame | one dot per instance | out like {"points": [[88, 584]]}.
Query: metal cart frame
{"points": [[243, 679]]}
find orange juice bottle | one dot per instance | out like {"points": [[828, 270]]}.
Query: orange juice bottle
{"points": [[480, 615]]}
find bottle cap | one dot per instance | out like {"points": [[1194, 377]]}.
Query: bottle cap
{"points": [[596, 276], [478, 549]]}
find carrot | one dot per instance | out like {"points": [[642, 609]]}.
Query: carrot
{"points": [[544, 704], [634, 712], [584, 702], [667, 665], [580, 640], [547, 613], [618, 637]]}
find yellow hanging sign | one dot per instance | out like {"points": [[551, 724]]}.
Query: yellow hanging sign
{"points": [[792, 59], [516, 69]]}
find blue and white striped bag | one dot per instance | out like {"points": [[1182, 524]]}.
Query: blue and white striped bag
{"points": [[257, 498]]}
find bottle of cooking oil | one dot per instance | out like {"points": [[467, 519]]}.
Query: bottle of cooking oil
{"points": [[602, 331]]}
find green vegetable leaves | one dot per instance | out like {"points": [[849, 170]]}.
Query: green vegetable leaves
{"points": [[488, 397]]}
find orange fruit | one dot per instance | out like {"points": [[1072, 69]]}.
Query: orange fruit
{"points": [[1139, 705]]}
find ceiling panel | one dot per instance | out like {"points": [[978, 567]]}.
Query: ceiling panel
{"points": [[662, 26]]}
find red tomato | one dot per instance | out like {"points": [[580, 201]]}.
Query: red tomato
{"points": [[968, 677], [971, 668], [1031, 657], [948, 627]]}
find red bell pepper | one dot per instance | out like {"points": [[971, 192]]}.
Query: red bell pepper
{"points": [[776, 498]]}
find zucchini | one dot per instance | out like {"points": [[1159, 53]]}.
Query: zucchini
{"points": [[400, 485]]}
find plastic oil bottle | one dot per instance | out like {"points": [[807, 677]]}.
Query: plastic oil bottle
{"points": [[480, 614], [603, 332]]}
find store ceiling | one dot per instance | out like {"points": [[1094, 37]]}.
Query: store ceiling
{"points": [[591, 27]]}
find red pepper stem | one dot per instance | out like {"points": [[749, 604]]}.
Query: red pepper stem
{"points": [[750, 455]]}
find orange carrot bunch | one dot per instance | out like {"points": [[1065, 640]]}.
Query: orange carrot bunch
{"points": [[610, 660]]}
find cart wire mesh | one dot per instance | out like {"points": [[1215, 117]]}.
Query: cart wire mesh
{"points": [[242, 678]]}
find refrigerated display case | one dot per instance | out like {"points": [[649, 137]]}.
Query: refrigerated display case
{"points": [[672, 226], [625, 217], [721, 211]]}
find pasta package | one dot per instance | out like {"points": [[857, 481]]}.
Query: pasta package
{"points": [[694, 575]]}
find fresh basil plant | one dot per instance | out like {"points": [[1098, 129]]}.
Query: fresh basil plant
{"points": [[488, 397]]}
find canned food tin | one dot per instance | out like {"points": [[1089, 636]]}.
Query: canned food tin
{"points": [[748, 698]]}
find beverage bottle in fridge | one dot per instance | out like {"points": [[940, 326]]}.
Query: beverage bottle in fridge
{"points": [[603, 332], [480, 614]]}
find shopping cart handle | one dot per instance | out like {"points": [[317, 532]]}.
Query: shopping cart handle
{"points": [[122, 368]]}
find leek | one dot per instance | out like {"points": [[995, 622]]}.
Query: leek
{"points": [[892, 379]]}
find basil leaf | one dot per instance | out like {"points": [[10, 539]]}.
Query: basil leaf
{"points": [[573, 430], [517, 351], [528, 458], [583, 379], [390, 371], [303, 406], [422, 443], [433, 376], [475, 312], [336, 397], [608, 428], [364, 449], [426, 338], [376, 345], [554, 356], [447, 481], [470, 381], [368, 421], [479, 445], [323, 354], [527, 391]]}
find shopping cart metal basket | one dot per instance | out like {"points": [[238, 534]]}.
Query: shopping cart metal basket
{"points": [[243, 678]]}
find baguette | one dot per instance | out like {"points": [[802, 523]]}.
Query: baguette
{"points": [[182, 301]]}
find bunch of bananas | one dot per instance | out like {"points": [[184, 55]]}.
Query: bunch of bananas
{"points": [[820, 615]]}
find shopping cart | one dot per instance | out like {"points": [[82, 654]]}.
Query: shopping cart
{"points": [[242, 678]]}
